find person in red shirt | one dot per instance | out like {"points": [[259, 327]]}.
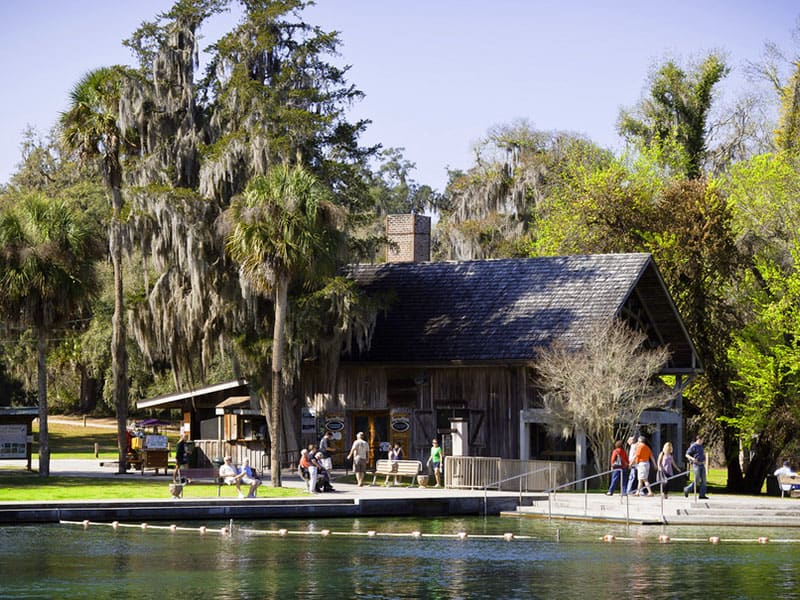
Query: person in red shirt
{"points": [[643, 459], [619, 463]]}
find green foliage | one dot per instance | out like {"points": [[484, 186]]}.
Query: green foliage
{"points": [[763, 200], [496, 207], [676, 110], [46, 270]]}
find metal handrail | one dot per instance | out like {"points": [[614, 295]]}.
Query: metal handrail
{"points": [[486, 487], [624, 495]]}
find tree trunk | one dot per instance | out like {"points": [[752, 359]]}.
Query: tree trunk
{"points": [[88, 398], [278, 335], [41, 376], [291, 427], [119, 352]]}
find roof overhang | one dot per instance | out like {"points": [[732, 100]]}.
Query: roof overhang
{"points": [[175, 400], [228, 406]]}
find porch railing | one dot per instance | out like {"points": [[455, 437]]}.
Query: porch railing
{"points": [[209, 452]]}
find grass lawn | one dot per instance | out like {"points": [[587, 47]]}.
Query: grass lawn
{"points": [[29, 487], [75, 441]]}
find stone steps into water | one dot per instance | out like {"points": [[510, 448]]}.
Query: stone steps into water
{"points": [[718, 510]]}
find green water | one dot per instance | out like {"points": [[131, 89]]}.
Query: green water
{"points": [[544, 560]]}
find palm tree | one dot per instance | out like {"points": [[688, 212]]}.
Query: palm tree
{"points": [[282, 229], [91, 128], [47, 275]]}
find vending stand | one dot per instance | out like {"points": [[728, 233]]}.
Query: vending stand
{"points": [[148, 449]]}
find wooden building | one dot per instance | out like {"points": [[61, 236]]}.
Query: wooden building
{"points": [[452, 356]]}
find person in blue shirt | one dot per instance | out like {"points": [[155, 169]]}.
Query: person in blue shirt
{"points": [[696, 457], [249, 478]]}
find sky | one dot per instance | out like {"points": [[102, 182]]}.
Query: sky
{"points": [[437, 74]]}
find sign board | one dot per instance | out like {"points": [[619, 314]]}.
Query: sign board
{"points": [[308, 422], [155, 442], [13, 441]]}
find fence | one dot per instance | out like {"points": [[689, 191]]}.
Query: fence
{"points": [[478, 472], [209, 453]]}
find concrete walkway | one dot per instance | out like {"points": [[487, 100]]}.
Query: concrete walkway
{"points": [[719, 509], [348, 500], [351, 500]]}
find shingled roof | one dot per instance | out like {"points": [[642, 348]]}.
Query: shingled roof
{"points": [[503, 310]]}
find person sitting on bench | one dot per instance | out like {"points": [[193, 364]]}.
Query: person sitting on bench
{"points": [[249, 478], [232, 475]]}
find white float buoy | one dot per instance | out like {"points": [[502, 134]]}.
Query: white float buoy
{"points": [[143, 526], [416, 534], [203, 530], [508, 536], [714, 539], [325, 532], [224, 531], [85, 523], [282, 532], [115, 524], [462, 535], [663, 539], [173, 528], [763, 540], [608, 538], [372, 533]]}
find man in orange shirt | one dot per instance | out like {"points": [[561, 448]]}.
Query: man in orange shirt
{"points": [[643, 458]]}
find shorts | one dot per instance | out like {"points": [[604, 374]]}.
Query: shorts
{"points": [[360, 465], [643, 470]]}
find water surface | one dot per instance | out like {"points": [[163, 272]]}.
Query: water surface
{"points": [[544, 560]]}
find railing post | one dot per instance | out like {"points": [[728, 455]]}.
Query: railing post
{"points": [[627, 509], [585, 497]]}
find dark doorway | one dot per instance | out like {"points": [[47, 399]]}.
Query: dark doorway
{"points": [[375, 426]]}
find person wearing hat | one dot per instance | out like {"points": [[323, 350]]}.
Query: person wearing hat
{"points": [[231, 475]]}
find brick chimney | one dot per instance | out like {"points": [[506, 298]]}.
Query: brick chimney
{"points": [[409, 238]]}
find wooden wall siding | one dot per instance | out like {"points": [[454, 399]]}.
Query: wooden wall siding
{"points": [[492, 397]]}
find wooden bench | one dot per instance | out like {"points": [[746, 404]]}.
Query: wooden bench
{"points": [[788, 481], [398, 468], [204, 475]]}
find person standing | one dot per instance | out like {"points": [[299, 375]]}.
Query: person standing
{"points": [[435, 461], [326, 447], [666, 467], [181, 457], [313, 468], [643, 458], [359, 452], [619, 463], [632, 475], [303, 467], [696, 456]]}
